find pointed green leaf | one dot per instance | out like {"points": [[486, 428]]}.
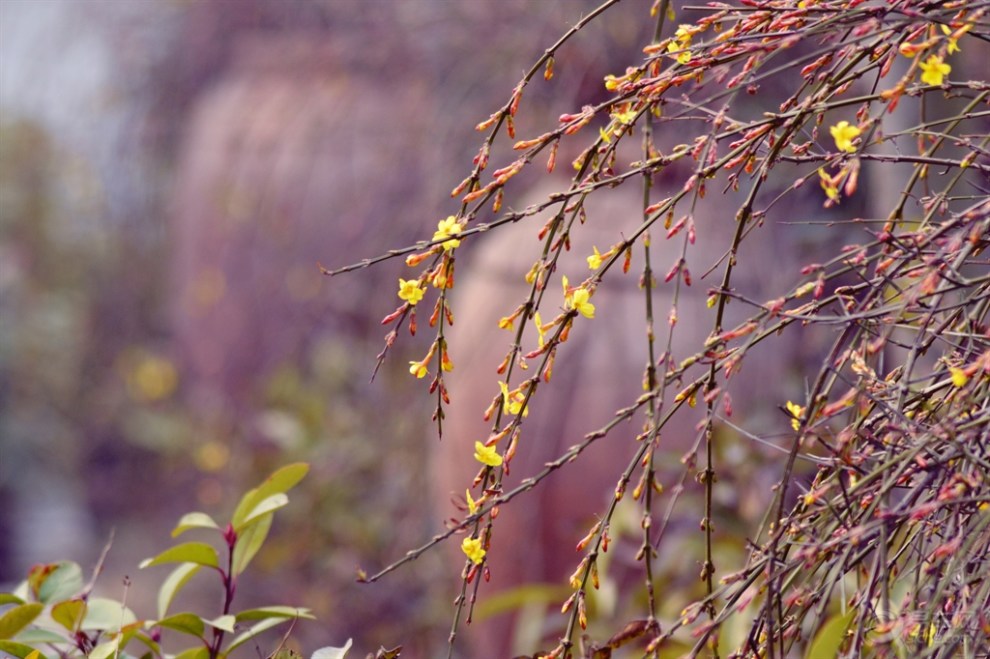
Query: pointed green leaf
{"points": [[155, 648], [226, 623], [10, 598], [188, 552], [173, 584], [829, 639], [250, 542], [19, 650], [17, 618], [256, 629], [332, 653], [281, 481], [269, 505], [275, 612], [35, 636], [106, 614], [105, 650], [56, 581], [187, 623], [194, 653], [194, 521], [69, 613]]}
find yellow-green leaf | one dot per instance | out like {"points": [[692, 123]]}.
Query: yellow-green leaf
{"points": [[250, 542], [281, 481], [187, 623], [188, 552], [194, 653], [69, 613], [173, 584], [264, 507], [56, 581], [256, 629], [106, 614], [829, 638], [105, 650], [194, 521], [226, 623], [274, 612], [19, 650], [17, 618]]}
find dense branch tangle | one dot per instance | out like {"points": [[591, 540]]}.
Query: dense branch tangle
{"points": [[894, 529]]}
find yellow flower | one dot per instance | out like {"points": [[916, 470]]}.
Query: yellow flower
{"points": [[446, 229], [473, 550], [829, 184], [934, 70], [410, 291], [539, 329], [579, 302], [595, 260], [843, 134], [417, 368], [471, 503], [796, 412], [626, 117], [953, 42], [959, 377], [487, 455], [512, 401], [683, 56], [683, 34], [681, 42]]}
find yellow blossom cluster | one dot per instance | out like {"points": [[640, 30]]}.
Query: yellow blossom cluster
{"points": [[578, 299], [447, 229], [682, 41], [796, 411], [512, 401], [934, 69]]}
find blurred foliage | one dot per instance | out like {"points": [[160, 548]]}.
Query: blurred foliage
{"points": [[55, 611]]}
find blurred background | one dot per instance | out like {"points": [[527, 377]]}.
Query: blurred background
{"points": [[171, 172]]}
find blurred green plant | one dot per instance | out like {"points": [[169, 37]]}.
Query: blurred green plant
{"points": [[53, 608]]}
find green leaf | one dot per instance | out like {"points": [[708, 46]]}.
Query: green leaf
{"points": [[173, 584], [35, 636], [275, 612], [154, 647], [829, 639], [194, 653], [56, 581], [250, 542], [106, 614], [256, 629], [188, 552], [266, 506], [105, 650], [226, 623], [332, 653], [10, 598], [18, 618], [187, 623], [69, 613], [18, 650], [279, 482], [194, 521]]}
